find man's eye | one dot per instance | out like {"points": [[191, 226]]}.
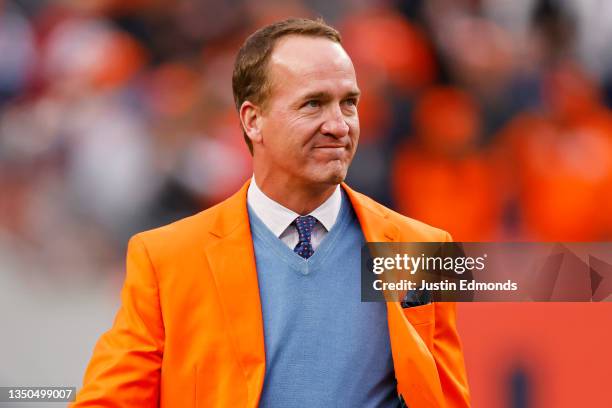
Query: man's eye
{"points": [[351, 102], [312, 104]]}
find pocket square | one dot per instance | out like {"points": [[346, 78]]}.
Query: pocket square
{"points": [[416, 298]]}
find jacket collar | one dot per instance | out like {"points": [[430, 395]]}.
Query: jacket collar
{"points": [[373, 218]]}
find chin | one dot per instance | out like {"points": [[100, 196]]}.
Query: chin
{"points": [[337, 178], [331, 173], [334, 177]]}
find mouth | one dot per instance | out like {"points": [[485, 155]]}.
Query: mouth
{"points": [[331, 151], [330, 146]]}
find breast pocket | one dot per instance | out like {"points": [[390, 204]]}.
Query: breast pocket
{"points": [[422, 319], [420, 314]]}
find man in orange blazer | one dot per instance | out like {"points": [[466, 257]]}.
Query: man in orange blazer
{"points": [[212, 313]]}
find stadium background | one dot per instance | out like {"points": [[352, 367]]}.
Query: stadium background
{"points": [[490, 119]]}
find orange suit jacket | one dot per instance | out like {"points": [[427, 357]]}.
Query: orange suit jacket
{"points": [[189, 332]]}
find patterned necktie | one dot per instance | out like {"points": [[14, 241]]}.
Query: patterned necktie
{"points": [[304, 226]]}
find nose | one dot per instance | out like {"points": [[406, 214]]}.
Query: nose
{"points": [[335, 124]]}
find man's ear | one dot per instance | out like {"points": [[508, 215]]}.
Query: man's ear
{"points": [[250, 116]]}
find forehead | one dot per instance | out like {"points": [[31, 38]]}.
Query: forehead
{"points": [[301, 63]]}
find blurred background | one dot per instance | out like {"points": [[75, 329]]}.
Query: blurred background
{"points": [[488, 118]]}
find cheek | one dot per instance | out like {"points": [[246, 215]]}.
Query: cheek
{"points": [[285, 144], [354, 129], [281, 125], [300, 134], [353, 123]]}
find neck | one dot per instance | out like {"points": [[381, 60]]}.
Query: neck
{"points": [[303, 199]]}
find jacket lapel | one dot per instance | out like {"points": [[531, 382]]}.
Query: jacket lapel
{"points": [[232, 263], [374, 222], [415, 368]]}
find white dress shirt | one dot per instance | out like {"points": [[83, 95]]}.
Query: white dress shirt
{"points": [[279, 219]]}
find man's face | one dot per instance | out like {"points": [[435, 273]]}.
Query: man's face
{"points": [[310, 126]]}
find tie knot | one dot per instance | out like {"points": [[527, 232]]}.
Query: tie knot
{"points": [[304, 225]]}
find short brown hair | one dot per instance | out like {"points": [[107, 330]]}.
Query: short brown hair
{"points": [[249, 79]]}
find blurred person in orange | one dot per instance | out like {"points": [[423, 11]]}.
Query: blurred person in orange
{"points": [[394, 64], [444, 165], [561, 160], [256, 301], [396, 50]]}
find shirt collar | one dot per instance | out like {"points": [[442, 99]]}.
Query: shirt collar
{"points": [[277, 217]]}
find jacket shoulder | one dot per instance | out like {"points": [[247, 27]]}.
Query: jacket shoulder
{"points": [[414, 230], [181, 235], [410, 229]]}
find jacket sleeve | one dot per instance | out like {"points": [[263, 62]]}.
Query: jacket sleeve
{"points": [[125, 367], [448, 354]]}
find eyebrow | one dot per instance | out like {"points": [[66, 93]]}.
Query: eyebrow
{"points": [[326, 95]]}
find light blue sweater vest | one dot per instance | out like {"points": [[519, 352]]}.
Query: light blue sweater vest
{"points": [[324, 347]]}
